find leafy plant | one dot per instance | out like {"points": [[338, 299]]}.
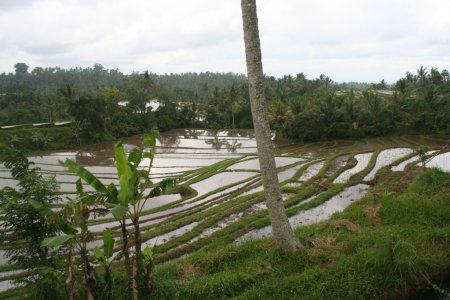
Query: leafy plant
{"points": [[105, 258], [128, 202], [24, 223], [422, 152], [73, 223]]}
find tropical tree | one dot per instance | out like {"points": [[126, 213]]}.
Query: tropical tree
{"points": [[279, 114], [140, 90], [281, 228], [127, 204], [89, 111], [21, 68], [21, 222], [67, 92], [73, 222], [40, 139]]}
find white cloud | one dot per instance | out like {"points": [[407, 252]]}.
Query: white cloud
{"points": [[358, 40]]}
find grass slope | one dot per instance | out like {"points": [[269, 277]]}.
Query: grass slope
{"points": [[391, 244]]}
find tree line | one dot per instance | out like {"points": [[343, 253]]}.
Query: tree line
{"points": [[107, 104], [314, 110]]}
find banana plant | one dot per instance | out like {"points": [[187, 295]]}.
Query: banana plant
{"points": [[128, 202], [73, 222], [105, 258]]}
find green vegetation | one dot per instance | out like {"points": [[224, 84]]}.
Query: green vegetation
{"points": [[28, 139], [22, 222], [391, 244], [67, 229], [403, 211], [106, 104]]}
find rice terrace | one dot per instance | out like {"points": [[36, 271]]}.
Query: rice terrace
{"points": [[159, 150], [219, 195]]}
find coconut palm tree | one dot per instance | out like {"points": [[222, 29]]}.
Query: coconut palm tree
{"points": [[281, 228]]}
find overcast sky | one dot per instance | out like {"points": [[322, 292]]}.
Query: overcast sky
{"points": [[348, 40]]}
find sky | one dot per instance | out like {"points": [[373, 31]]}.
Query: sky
{"points": [[347, 40]]}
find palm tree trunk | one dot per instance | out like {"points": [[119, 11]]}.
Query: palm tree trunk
{"points": [[282, 231]]}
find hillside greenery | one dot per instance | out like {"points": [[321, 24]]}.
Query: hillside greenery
{"points": [[106, 104]]}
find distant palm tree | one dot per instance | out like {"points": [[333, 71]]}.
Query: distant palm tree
{"points": [[40, 139], [68, 92], [14, 140], [421, 75]]}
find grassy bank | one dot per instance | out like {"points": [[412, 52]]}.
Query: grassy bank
{"points": [[392, 244]]}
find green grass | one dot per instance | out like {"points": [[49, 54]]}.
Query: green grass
{"points": [[14, 294], [390, 243], [398, 241]]}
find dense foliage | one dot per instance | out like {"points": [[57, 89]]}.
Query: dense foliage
{"points": [[29, 138], [106, 104], [310, 110], [22, 223]]}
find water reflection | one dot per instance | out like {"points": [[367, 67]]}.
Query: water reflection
{"points": [[91, 158], [208, 133], [193, 133], [217, 140], [217, 144], [234, 146], [169, 141]]}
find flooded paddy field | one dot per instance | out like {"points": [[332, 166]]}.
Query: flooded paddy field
{"points": [[222, 171]]}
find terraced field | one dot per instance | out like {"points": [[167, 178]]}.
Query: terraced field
{"points": [[220, 194]]}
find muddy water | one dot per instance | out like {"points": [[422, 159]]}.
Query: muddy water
{"points": [[363, 161], [337, 163]]}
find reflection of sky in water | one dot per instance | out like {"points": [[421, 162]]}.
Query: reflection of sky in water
{"points": [[170, 235], [441, 161], [311, 171], [8, 182], [319, 213], [207, 151], [253, 164], [180, 162], [3, 258], [207, 143], [401, 166], [387, 157], [177, 142], [5, 285], [219, 180]]}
